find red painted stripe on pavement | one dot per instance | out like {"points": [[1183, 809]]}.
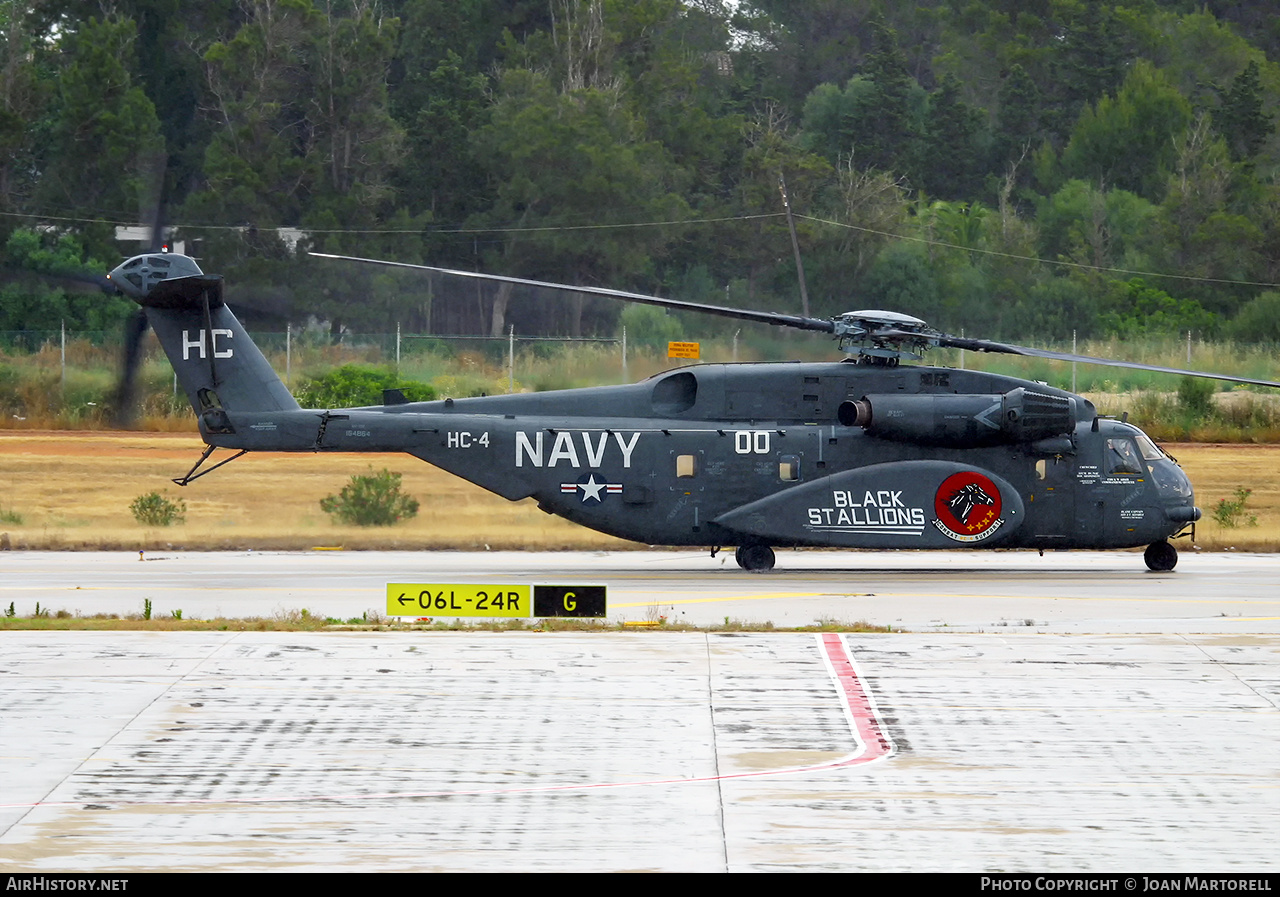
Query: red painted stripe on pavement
{"points": [[871, 744]]}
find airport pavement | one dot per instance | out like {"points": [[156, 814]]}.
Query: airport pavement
{"points": [[917, 591], [1130, 728]]}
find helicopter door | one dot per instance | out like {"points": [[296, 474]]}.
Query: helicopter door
{"points": [[1052, 506], [1112, 492], [687, 467], [1124, 475]]}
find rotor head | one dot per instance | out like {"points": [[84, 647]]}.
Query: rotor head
{"points": [[884, 337]]}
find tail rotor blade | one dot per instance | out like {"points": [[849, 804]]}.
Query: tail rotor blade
{"points": [[135, 329]]}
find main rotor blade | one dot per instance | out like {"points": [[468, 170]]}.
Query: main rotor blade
{"points": [[70, 280], [978, 345], [760, 317]]}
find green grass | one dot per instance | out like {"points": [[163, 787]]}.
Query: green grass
{"points": [[304, 621], [34, 393]]}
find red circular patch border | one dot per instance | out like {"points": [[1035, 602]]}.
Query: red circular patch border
{"points": [[981, 519]]}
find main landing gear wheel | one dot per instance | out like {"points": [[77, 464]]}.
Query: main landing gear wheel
{"points": [[756, 558], [1161, 557]]}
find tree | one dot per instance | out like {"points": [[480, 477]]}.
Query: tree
{"points": [[353, 133], [955, 146], [439, 113], [901, 279], [1127, 141], [22, 97], [1240, 119], [1083, 224], [303, 137], [888, 138], [35, 302], [258, 168], [1206, 231], [1259, 320], [872, 206], [1019, 119], [1088, 62], [1133, 309], [104, 140], [756, 250], [559, 159]]}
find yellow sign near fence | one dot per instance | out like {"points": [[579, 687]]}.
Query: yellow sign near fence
{"points": [[684, 350]]}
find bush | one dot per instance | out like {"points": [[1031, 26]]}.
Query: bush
{"points": [[1231, 514], [372, 499], [1195, 397], [154, 509], [354, 386], [650, 327]]}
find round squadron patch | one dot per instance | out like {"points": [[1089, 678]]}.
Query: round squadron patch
{"points": [[967, 507]]}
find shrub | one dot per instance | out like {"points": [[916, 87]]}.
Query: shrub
{"points": [[650, 327], [154, 509], [1195, 397], [1230, 514], [354, 386], [372, 499]]}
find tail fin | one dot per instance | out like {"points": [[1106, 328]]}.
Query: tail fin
{"points": [[217, 364]]}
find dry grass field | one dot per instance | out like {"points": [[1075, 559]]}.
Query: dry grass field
{"points": [[72, 490]]}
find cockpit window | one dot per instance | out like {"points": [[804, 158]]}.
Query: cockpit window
{"points": [[1149, 449], [1122, 457]]}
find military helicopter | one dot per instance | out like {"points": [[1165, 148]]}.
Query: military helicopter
{"points": [[862, 453]]}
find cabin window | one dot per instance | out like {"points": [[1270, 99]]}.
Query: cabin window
{"points": [[789, 468], [1042, 469], [686, 465]]}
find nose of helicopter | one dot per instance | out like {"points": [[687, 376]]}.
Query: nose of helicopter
{"points": [[1175, 492]]}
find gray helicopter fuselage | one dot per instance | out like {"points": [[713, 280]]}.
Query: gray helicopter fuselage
{"points": [[868, 455], [824, 454]]}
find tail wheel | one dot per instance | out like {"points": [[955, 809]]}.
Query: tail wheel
{"points": [[756, 558], [1161, 557]]}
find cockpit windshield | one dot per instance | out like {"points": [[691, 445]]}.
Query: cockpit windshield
{"points": [[1150, 451]]}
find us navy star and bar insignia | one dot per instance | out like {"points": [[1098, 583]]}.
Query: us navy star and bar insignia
{"points": [[591, 488], [491, 600]]}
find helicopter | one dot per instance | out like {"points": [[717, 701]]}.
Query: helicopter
{"points": [[864, 453]]}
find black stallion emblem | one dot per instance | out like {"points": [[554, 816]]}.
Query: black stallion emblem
{"points": [[965, 499]]}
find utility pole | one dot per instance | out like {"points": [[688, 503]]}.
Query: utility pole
{"points": [[795, 244]]}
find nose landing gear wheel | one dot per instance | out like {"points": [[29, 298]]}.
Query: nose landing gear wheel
{"points": [[1161, 557], [755, 558]]}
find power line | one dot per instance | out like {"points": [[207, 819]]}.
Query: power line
{"points": [[550, 228], [417, 230]]}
